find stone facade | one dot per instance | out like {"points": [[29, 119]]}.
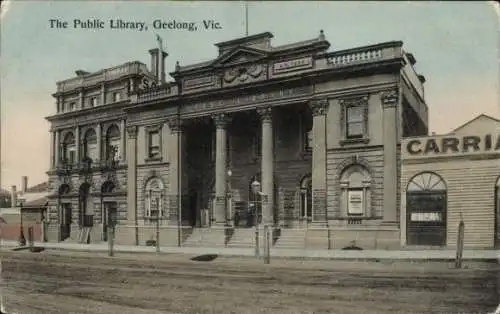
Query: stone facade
{"points": [[317, 131]]}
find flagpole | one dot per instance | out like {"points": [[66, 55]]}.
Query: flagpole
{"points": [[246, 18], [160, 59]]}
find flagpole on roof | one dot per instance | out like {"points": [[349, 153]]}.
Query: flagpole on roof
{"points": [[246, 18], [160, 59]]}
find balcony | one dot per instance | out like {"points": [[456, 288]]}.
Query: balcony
{"points": [[64, 168], [108, 165]]}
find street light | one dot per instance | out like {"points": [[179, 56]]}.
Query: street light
{"points": [[256, 189], [228, 195]]}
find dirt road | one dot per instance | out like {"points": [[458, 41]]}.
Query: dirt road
{"points": [[54, 282]]}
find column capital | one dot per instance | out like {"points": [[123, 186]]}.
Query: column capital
{"points": [[319, 107], [221, 120], [132, 131], [265, 114], [389, 98], [175, 124]]}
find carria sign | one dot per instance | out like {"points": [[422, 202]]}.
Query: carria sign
{"points": [[453, 145]]}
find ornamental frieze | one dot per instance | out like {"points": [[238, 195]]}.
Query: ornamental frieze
{"points": [[244, 74], [247, 99]]}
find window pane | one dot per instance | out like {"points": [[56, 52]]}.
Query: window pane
{"points": [[354, 114], [154, 139], [92, 151], [309, 140], [355, 129]]}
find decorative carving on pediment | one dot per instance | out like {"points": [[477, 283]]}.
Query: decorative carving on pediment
{"points": [[243, 73], [319, 107]]}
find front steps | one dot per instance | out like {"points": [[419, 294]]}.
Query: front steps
{"points": [[291, 239], [206, 237], [244, 238]]}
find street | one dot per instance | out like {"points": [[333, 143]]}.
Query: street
{"points": [[80, 282]]}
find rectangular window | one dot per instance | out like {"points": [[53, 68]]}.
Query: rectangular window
{"points": [[116, 97], [154, 144], [257, 146], [354, 122], [355, 205], [72, 106], [93, 101], [71, 156]]}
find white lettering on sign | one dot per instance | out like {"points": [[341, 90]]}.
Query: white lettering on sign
{"points": [[424, 217], [355, 203], [293, 65]]}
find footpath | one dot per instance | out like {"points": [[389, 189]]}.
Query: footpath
{"points": [[445, 254]]}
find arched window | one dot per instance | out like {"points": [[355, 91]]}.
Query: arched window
{"points": [[153, 199], [113, 143], [306, 198], [89, 145], [355, 192], [64, 189], [108, 187], [426, 181], [69, 148]]}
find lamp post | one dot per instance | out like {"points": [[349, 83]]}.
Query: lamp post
{"points": [[157, 224], [22, 239], [256, 189], [227, 199]]}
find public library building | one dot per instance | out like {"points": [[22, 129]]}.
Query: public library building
{"points": [[295, 137]]}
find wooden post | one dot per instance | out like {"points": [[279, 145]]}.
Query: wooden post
{"points": [[460, 244], [111, 243], [267, 244], [158, 231]]}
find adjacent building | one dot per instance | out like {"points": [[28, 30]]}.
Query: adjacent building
{"points": [[451, 178], [297, 137]]}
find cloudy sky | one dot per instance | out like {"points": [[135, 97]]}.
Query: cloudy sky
{"points": [[455, 44]]}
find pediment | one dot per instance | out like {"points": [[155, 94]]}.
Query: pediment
{"points": [[481, 124], [240, 55]]}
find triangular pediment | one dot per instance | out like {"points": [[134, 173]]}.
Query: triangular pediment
{"points": [[240, 55]]}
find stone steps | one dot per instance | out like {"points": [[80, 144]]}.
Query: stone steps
{"points": [[206, 237], [243, 238], [291, 239]]}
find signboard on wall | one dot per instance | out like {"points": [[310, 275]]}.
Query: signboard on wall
{"points": [[426, 217], [449, 145], [355, 205]]}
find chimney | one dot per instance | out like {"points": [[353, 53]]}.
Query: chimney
{"points": [[157, 65], [24, 187], [13, 196]]}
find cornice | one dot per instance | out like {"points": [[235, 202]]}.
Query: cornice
{"points": [[118, 106]]}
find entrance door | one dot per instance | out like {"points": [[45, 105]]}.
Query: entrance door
{"points": [[426, 208], [193, 206], [65, 221], [109, 208]]}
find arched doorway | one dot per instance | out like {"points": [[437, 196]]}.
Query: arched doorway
{"points": [[497, 214], [65, 213], [306, 198], [426, 208], [109, 208]]}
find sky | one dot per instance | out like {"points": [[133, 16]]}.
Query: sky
{"points": [[456, 45]]}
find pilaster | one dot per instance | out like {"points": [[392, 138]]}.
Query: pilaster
{"points": [[77, 144], [57, 145], [52, 149], [174, 192], [98, 132], [389, 104], [103, 94], [81, 99], [266, 117], [132, 178], [319, 108]]}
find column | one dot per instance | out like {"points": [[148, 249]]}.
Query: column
{"points": [[103, 94], [220, 212], [99, 141], [175, 169], [267, 165], [319, 110], [57, 148], [52, 149], [77, 144], [123, 145], [131, 85], [132, 179], [389, 104]]}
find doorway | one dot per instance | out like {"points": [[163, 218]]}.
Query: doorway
{"points": [[109, 211], [426, 208], [193, 206], [66, 212]]}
